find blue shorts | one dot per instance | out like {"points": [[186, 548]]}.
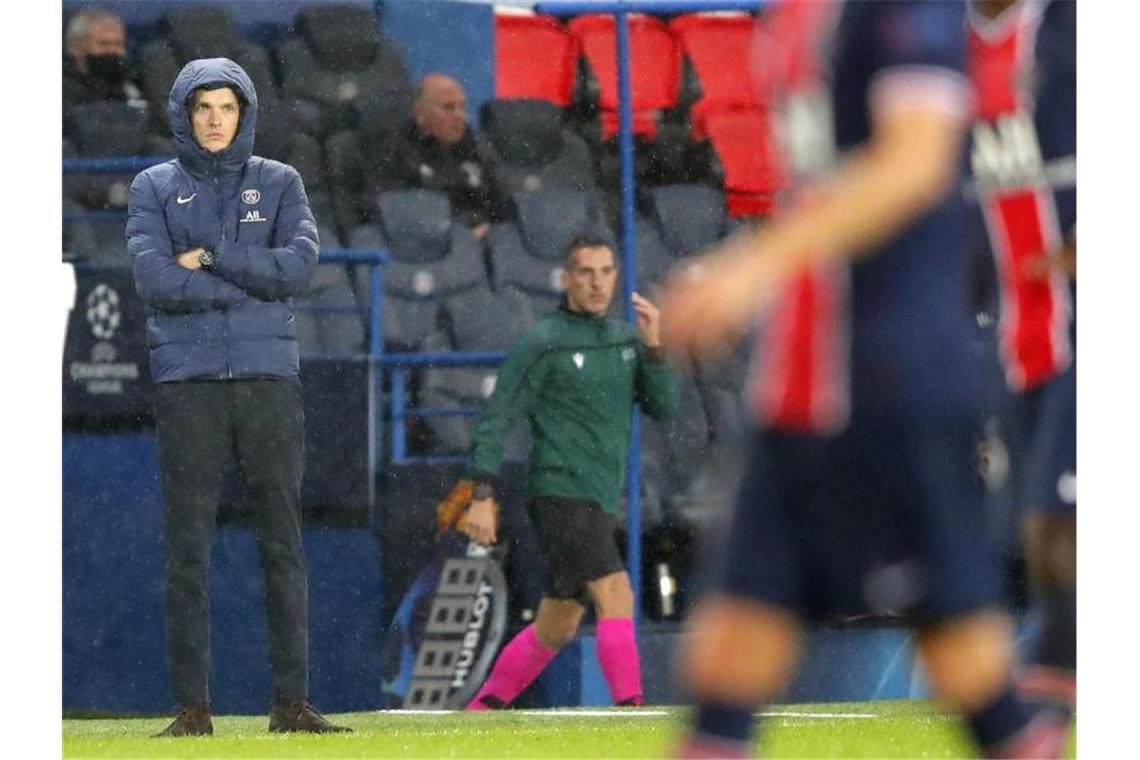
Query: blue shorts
{"points": [[1040, 431], [883, 519]]}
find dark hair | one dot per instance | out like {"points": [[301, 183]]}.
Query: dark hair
{"points": [[217, 86], [587, 240], [210, 86]]}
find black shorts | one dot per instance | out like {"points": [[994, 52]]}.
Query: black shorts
{"points": [[576, 538]]}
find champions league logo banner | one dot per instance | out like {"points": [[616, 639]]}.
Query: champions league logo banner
{"points": [[446, 632], [105, 368]]}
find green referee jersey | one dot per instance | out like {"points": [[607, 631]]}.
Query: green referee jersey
{"points": [[575, 378]]}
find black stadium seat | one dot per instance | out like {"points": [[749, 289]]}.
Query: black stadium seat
{"points": [[432, 259], [339, 71], [689, 217], [201, 31], [478, 320], [527, 256], [525, 140], [104, 130], [654, 259]]}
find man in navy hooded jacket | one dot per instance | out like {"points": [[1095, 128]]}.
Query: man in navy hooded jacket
{"points": [[221, 241]]}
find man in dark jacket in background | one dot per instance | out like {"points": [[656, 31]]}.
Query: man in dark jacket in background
{"points": [[437, 151], [95, 65], [221, 241]]}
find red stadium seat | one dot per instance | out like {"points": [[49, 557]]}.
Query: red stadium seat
{"points": [[655, 68], [535, 57], [744, 140], [719, 46]]}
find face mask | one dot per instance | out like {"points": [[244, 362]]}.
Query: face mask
{"points": [[110, 68]]}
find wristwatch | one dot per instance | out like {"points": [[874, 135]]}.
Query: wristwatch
{"points": [[206, 258]]}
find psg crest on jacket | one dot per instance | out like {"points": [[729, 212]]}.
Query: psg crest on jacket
{"points": [[446, 632]]}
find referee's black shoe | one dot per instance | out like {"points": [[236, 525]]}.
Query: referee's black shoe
{"points": [[299, 715]]}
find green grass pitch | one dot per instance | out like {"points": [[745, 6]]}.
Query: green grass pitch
{"points": [[853, 729]]}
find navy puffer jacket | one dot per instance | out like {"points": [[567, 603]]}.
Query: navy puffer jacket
{"points": [[236, 320]]}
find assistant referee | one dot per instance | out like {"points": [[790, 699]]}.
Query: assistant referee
{"points": [[575, 375]]}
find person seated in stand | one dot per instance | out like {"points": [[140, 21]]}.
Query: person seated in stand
{"points": [[96, 68], [437, 151]]}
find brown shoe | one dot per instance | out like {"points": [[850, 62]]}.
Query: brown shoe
{"points": [[192, 720], [299, 715]]}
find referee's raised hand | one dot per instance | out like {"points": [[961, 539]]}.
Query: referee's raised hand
{"points": [[648, 320]]}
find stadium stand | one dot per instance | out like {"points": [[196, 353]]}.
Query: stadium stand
{"points": [[433, 258], [742, 138], [478, 320], [655, 68], [199, 31], [679, 220], [527, 256], [673, 454], [689, 217], [106, 129], [348, 155], [718, 47], [339, 72], [535, 57], [530, 149], [654, 260]]}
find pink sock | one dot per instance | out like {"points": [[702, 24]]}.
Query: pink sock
{"points": [[617, 654], [519, 663]]}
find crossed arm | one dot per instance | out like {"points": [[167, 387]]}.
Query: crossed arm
{"points": [[175, 281]]}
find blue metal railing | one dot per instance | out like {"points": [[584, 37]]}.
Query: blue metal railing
{"points": [[126, 165], [399, 364]]}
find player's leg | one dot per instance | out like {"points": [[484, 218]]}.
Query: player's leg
{"points": [[968, 663], [736, 655], [616, 637], [742, 643], [1050, 540], [1050, 548], [965, 641], [528, 653]]}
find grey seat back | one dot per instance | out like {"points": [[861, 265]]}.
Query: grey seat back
{"points": [[689, 217], [476, 320], [527, 256], [432, 260], [340, 72], [531, 149], [108, 129], [191, 32], [416, 224]]}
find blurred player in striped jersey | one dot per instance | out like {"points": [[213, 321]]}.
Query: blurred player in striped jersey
{"points": [[861, 495], [1022, 62]]}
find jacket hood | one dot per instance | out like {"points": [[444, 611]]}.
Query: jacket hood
{"points": [[194, 75]]}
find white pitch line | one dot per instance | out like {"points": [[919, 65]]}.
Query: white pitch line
{"points": [[814, 715], [626, 713]]}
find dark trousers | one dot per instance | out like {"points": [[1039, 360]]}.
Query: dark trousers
{"points": [[202, 428]]}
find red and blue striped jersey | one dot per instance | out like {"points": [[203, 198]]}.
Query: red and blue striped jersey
{"points": [[889, 333], [1023, 174]]}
